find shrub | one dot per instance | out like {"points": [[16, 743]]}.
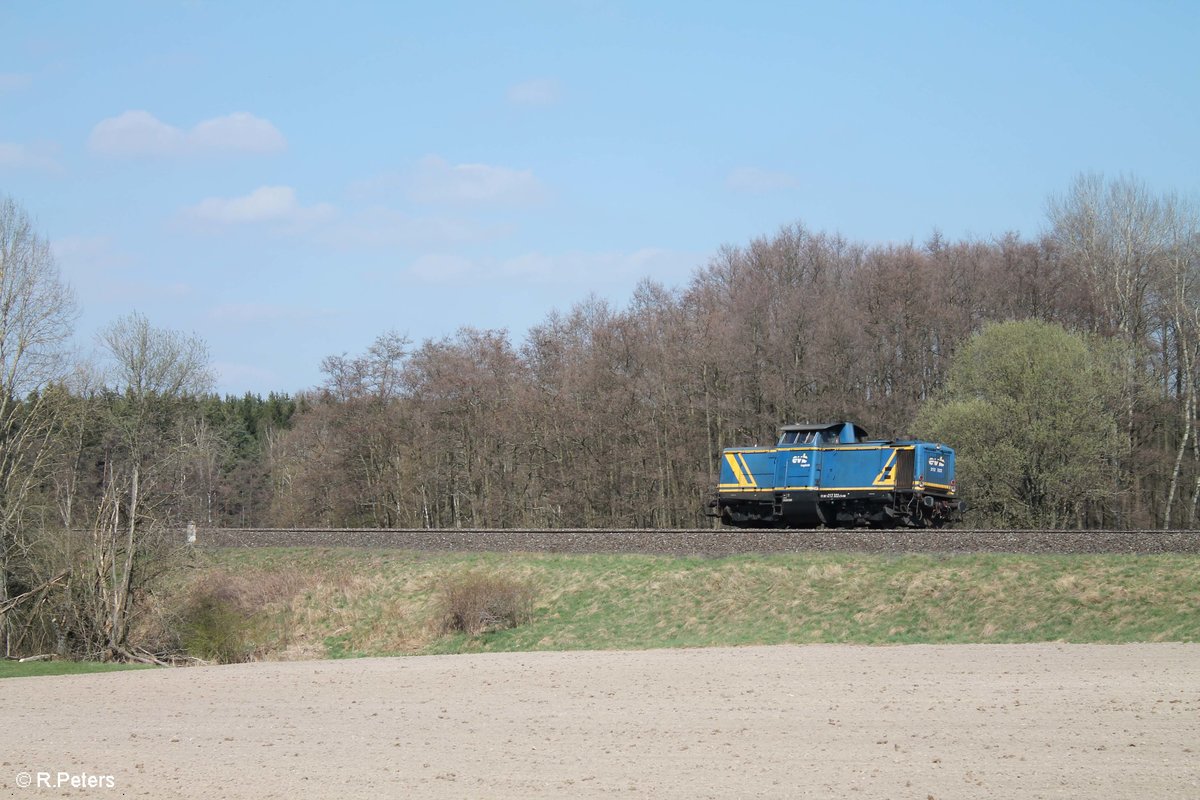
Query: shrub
{"points": [[212, 629], [474, 602], [232, 618]]}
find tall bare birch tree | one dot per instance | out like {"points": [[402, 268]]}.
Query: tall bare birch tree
{"points": [[1118, 234], [152, 367], [37, 311], [1180, 290]]}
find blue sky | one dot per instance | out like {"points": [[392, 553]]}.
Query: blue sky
{"points": [[289, 180]]}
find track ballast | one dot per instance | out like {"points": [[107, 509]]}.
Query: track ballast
{"points": [[712, 541]]}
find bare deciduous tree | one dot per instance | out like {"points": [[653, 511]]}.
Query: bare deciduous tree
{"points": [[37, 311], [1127, 242], [1180, 292], [151, 366]]}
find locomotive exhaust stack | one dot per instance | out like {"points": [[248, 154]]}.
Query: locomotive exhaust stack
{"points": [[834, 475]]}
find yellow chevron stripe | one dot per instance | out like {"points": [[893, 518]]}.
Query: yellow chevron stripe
{"points": [[737, 471], [746, 467], [881, 478]]}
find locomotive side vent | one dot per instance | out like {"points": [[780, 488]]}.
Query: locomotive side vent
{"points": [[904, 469]]}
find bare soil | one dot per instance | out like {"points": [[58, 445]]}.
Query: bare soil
{"points": [[999, 721]]}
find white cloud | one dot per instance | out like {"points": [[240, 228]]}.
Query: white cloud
{"points": [[279, 209], [136, 133], [237, 132], [140, 133], [755, 180], [539, 92], [434, 181], [20, 156], [266, 204], [437, 181]]}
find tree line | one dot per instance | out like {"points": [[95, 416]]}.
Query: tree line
{"points": [[607, 416]]}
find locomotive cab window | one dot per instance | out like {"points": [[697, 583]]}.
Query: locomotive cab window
{"points": [[797, 437]]}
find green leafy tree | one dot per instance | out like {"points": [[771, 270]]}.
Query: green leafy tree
{"points": [[1029, 408]]}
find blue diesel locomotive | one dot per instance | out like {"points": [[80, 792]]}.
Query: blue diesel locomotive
{"points": [[833, 475]]}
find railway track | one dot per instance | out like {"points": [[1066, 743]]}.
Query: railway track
{"points": [[710, 541]]}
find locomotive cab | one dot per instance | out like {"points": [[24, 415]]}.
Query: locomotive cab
{"points": [[839, 433]]}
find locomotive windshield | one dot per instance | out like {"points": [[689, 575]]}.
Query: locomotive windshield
{"points": [[827, 434]]}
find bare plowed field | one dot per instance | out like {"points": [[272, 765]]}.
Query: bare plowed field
{"points": [[998, 721]]}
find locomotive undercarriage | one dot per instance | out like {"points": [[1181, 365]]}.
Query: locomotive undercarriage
{"points": [[839, 510]]}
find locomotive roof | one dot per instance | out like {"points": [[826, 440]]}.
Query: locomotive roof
{"points": [[858, 431]]}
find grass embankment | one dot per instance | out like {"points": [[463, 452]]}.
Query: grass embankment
{"points": [[350, 602], [29, 669]]}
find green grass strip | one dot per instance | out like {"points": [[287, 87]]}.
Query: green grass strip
{"points": [[31, 669]]}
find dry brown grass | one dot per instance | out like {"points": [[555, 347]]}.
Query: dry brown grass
{"points": [[350, 610], [475, 602], [238, 616]]}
